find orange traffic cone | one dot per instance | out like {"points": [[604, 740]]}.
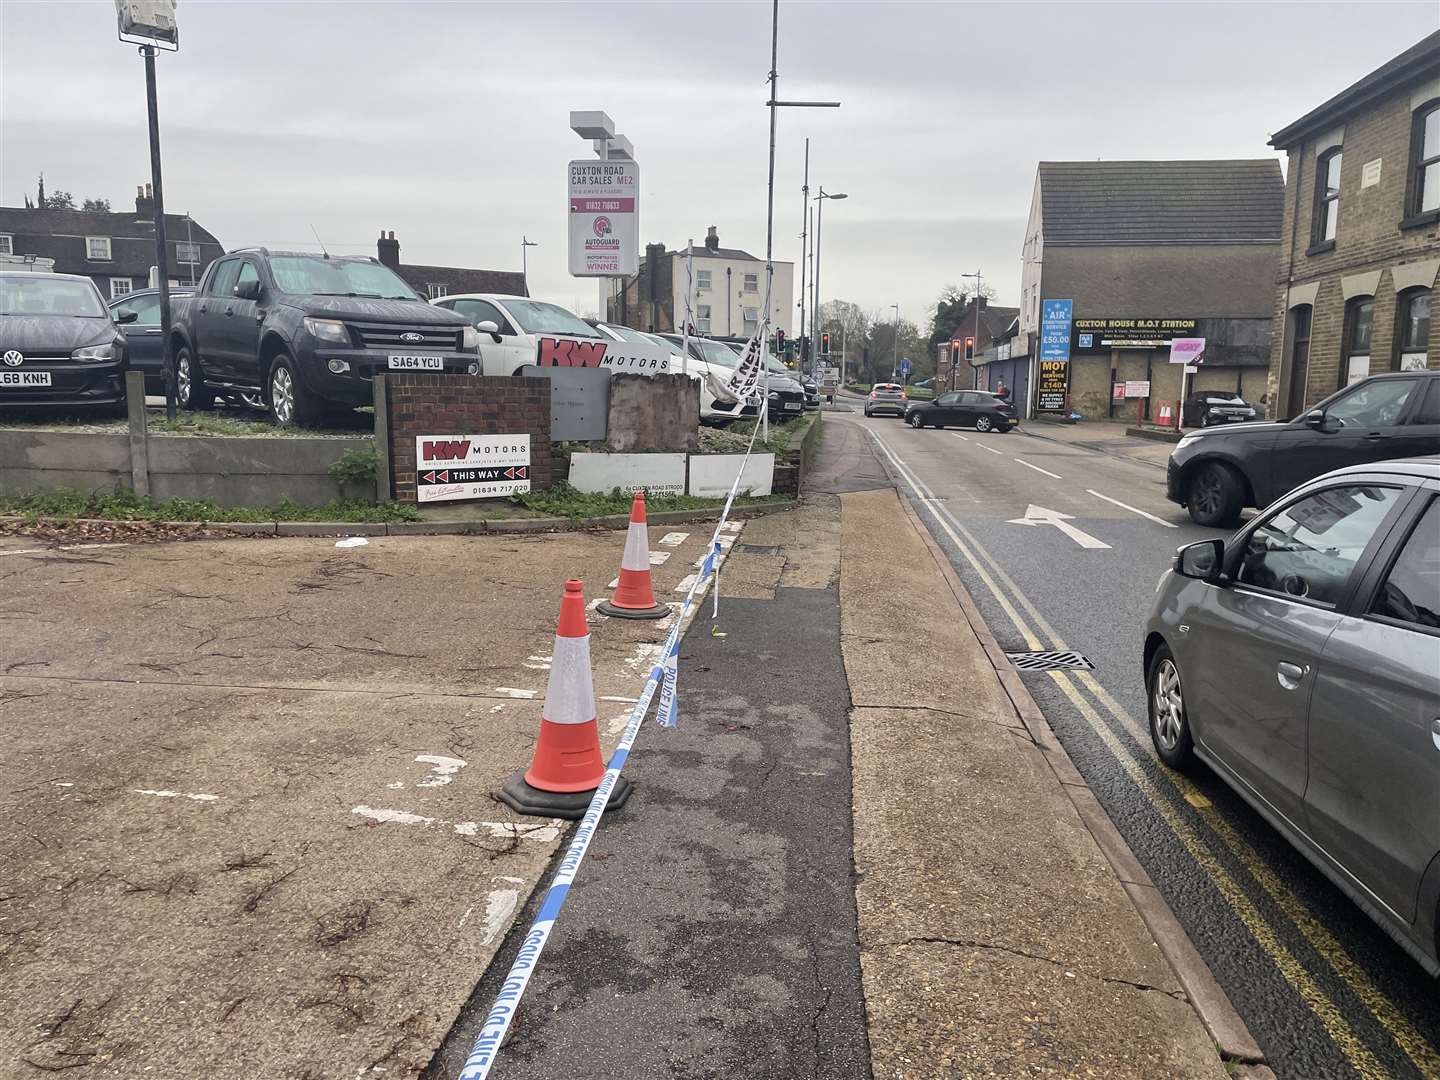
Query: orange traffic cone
{"points": [[634, 595], [567, 766]]}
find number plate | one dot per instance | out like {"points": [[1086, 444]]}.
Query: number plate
{"points": [[793, 405], [24, 378], [412, 362]]}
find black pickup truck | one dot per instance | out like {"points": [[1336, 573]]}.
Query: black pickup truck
{"points": [[305, 333]]}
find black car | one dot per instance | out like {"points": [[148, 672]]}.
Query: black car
{"points": [[1206, 407], [58, 345], [143, 339], [963, 408], [307, 332], [1216, 472], [786, 389]]}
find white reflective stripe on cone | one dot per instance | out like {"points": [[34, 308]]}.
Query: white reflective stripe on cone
{"points": [[570, 697], [637, 550]]}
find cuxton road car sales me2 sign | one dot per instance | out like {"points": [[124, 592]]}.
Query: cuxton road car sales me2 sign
{"points": [[451, 467]]}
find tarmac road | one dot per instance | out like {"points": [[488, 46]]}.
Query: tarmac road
{"points": [[1324, 991]]}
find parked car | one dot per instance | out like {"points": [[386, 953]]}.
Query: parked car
{"points": [[1206, 407], [1301, 661], [520, 330], [963, 408], [809, 389], [143, 340], [1216, 472], [58, 345], [720, 362], [307, 332], [886, 398], [923, 384]]}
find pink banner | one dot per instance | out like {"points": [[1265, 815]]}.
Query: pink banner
{"points": [[602, 205]]}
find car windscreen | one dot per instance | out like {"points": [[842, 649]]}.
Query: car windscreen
{"points": [[715, 352], [538, 317], [1221, 396], [28, 294], [625, 333], [308, 275]]}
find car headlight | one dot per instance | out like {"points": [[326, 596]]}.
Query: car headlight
{"points": [[774, 395], [328, 330], [1188, 440], [95, 354], [469, 339]]}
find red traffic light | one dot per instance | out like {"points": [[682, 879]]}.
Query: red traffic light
{"points": [[825, 344], [969, 348]]}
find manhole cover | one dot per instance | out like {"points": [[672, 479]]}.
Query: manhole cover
{"points": [[1064, 659], [758, 549]]}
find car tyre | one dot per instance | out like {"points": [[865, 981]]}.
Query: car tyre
{"points": [[1169, 722], [290, 403], [915, 420], [868, 413], [1214, 496], [190, 389], [984, 423]]}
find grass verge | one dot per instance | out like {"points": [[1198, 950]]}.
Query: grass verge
{"points": [[564, 501], [123, 505]]}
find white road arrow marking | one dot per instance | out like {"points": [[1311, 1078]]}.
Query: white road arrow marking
{"points": [[1038, 515]]}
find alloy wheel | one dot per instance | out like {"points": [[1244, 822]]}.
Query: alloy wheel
{"points": [[1205, 492], [182, 380], [1169, 704], [982, 423], [282, 396]]}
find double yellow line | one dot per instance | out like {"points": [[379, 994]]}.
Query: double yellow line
{"points": [[1166, 798]]}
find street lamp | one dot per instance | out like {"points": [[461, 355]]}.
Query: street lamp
{"points": [[819, 216], [151, 25], [525, 244], [895, 359]]}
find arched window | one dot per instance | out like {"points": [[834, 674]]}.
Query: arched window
{"points": [[1327, 197], [1359, 328], [1412, 329], [1425, 160]]}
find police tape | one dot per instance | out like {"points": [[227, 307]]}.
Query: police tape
{"points": [[486, 1047]]}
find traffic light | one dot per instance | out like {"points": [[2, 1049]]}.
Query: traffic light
{"points": [[825, 344], [779, 342], [969, 348]]}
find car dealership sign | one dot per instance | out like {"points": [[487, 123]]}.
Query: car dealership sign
{"points": [[604, 218], [454, 467]]}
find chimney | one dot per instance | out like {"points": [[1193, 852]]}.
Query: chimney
{"points": [[712, 239], [144, 201], [389, 249]]}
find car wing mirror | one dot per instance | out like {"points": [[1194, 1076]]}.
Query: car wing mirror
{"points": [[248, 290], [125, 315], [1203, 561], [489, 326], [1320, 421]]}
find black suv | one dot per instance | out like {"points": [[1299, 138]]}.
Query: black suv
{"points": [[307, 332], [1216, 472]]}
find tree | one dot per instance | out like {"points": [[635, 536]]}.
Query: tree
{"points": [[99, 205], [58, 200], [949, 310]]}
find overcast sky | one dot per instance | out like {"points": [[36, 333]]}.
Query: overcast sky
{"points": [[448, 122]]}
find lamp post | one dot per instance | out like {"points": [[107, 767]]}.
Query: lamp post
{"points": [[525, 244], [819, 219], [151, 25], [895, 359], [804, 252]]}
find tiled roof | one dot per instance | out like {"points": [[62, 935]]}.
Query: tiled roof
{"points": [[1161, 202], [132, 234], [458, 279]]}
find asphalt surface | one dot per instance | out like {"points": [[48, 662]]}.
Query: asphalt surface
{"points": [[712, 930], [1325, 992]]}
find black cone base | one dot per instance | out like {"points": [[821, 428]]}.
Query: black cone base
{"points": [[659, 611], [526, 799]]}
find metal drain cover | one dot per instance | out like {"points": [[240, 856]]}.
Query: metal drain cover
{"points": [[758, 549], [1064, 659]]}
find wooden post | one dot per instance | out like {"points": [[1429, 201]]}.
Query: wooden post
{"points": [[381, 400], [139, 435]]}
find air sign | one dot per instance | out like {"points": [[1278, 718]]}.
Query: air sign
{"points": [[604, 218]]}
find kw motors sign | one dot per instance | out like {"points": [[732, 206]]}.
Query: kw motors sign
{"points": [[452, 467], [621, 357], [604, 218]]}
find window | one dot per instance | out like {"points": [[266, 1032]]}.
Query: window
{"points": [[538, 317], [752, 316], [222, 278], [97, 248], [146, 308], [702, 280], [478, 311], [247, 273], [434, 290], [1412, 334], [1308, 549], [186, 252], [1411, 593], [1359, 326], [25, 293], [317, 276], [7, 244], [1327, 198], [702, 316], [1429, 411], [1425, 154], [119, 286], [752, 282], [1377, 404]]}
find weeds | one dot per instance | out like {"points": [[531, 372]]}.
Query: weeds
{"points": [[122, 505]]}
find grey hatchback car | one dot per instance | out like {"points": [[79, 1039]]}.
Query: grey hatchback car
{"points": [[1300, 659]]}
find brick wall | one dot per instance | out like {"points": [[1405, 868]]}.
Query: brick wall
{"points": [[1368, 238], [466, 405]]}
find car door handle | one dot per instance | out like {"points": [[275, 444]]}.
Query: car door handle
{"points": [[156, 330], [1376, 436], [204, 307], [1289, 675]]}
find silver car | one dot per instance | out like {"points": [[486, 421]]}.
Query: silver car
{"points": [[1301, 660]]}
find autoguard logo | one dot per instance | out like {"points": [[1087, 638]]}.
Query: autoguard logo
{"points": [[562, 352], [602, 226]]}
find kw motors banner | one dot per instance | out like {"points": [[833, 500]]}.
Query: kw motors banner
{"points": [[604, 218], [744, 383]]}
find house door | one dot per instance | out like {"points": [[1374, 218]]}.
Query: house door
{"points": [[1299, 361]]}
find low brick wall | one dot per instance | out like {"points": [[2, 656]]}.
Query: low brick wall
{"points": [[420, 405]]}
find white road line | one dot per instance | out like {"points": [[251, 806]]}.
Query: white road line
{"points": [[962, 438], [1133, 510], [990, 450], [674, 539], [686, 582], [1037, 468]]}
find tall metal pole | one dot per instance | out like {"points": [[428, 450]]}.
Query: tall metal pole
{"points": [[161, 262], [770, 214], [895, 360], [819, 223], [804, 238]]}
